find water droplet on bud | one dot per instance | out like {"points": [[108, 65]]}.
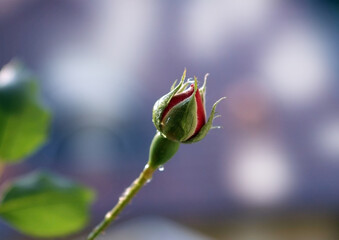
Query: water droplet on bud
{"points": [[161, 168], [190, 80]]}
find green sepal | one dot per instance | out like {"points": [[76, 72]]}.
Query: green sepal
{"points": [[183, 87], [161, 150], [205, 129], [162, 103], [180, 122], [202, 90], [173, 85]]}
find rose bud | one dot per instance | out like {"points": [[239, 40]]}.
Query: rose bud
{"points": [[180, 115]]}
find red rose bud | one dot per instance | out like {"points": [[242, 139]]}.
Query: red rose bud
{"points": [[180, 115]]}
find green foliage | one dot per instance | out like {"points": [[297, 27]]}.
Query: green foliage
{"points": [[23, 120], [39, 204], [45, 205]]}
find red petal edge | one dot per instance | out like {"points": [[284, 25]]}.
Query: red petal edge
{"points": [[201, 117]]}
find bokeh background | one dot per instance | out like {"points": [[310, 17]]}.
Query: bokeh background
{"points": [[270, 173]]}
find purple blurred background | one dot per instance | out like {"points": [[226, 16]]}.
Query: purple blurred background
{"points": [[270, 173]]}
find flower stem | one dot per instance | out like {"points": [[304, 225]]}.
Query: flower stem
{"points": [[125, 198]]}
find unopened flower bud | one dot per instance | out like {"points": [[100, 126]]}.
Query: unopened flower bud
{"points": [[180, 115]]}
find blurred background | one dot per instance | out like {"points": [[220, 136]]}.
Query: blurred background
{"points": [[271, 173]]}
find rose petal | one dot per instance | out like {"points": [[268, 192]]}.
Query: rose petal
{"points": [[201, 116]]}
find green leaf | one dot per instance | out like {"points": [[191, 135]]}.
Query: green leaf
{"points": [[45, 205], [24, 122]]}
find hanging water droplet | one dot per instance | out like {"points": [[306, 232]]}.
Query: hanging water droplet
{"points": [[161, 168]]}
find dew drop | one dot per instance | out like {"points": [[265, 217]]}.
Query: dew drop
{"points": [[190, 80], [149, 180], [108, 215], [161, 168]]}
